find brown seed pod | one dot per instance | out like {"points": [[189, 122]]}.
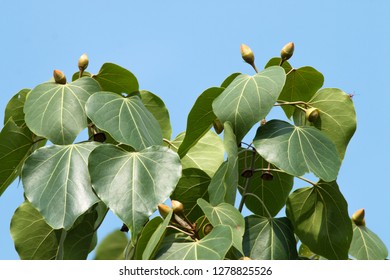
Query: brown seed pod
{"points": [[267, 176], [59, 77]]}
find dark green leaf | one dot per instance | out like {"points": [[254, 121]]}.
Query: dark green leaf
{"points": [[269, 238], [337, 118], [57, 183], [229, 80], [76, 75], [191, 186], [275, 61], [16, 144], [207, 154], [15, 106], [145, 235], [57, 112], [248, 99], [214, 246], [200, 119], [160, 112], [320, 218], [112, 246], [115, 78], [225, 214], [132, 184], [298, 149], [301, 84], [366, 245], [264, 197], [126, 119]]}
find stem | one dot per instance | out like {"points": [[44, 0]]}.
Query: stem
{"points": [[293, 103], [182, 231], [170, 143], [254, 67], [306, 180], [60, 253], [292, 69]]}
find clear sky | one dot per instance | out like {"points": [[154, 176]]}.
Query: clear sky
{"points": [[178, 49]]}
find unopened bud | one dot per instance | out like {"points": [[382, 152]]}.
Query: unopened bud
{"points": [[287, 51], [177, 206], [207, 229], [267, 176], [358, 217], [83, 62], [59, 77], [218, 126], [247, 54], [312, 114], [164, 210]]}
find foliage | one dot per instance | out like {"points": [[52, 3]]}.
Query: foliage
{"points": [[198, 181]]}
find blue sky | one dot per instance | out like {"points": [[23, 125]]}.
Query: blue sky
{"points": [[177, 50]]}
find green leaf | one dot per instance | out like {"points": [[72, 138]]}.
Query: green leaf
{"points": [[156, 238], [320, 218], [366, 245], [57, 183], [76, 75], [264, 197], [132, 184], [192, 185], [337, 118], [225, 214], [207, 154], [269, 238], [126, 119], [231, 177], [301, 84], [213, 246], [275, 61], [112, 246], [305, 252], [229, 80], [297, 149], [158, 109], [248, 99], [115, 78], [57, 112], [16, 144], [200, 119], [34, 239], [145, 235], [14, 108]]}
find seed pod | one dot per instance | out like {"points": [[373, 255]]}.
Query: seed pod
{"points": [[312, 114], [99, 137], [247, 173], [207, 229], [247, 54], [267, 176], [83, 62], [287, 51], [358, 217], [177, 206], [164, 210], [59, 77], [218, 126]]}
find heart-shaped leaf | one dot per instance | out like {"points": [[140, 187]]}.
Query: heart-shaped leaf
{"points": [[248, 99], [337, 117], [36, 240], [157, 107], [126, 119], [57, 112], [16, 144], [207, 154], [275, 61], [301, 84], [112, 247], [366, 245], [57, 183], [200, 119], [229, 79], [213, 246], [263, 197], [15, 106], [145, 235], [225, 214], [297, 150], [320, 218], [191, 186], [132, 184], [269, 238], [115, 78]]}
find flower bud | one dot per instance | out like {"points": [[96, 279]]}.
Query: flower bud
{"points": [[247, 54], [218, 126], [312, 114], [59, 77], [83, 62], [267, 176], [247, 173], [177, 206], [164, 210], [207, 229], [287, 51], [358, 217]]}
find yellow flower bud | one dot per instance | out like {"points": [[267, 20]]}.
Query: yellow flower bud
{"points": [[287, 51], [59, 77]]}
